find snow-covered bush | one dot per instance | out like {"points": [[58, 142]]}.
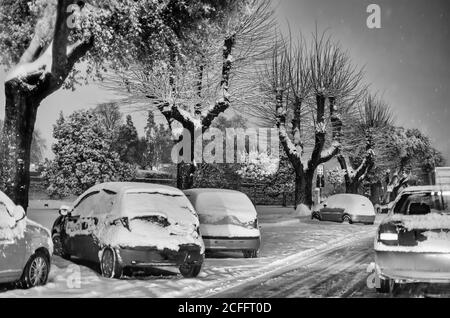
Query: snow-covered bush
{"points": [[335, 177], [83, 156], [258, 166]]}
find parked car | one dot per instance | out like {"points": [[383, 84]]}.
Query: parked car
{"points": [[413, 242], [25, 247], [133, 226], [347, 208], [228, 220]]}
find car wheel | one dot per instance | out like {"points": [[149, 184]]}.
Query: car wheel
{"points": [[387, 286], [250, 254], [109, 264], [58, 246], [190, 270], [347, 219], [36, 271]]}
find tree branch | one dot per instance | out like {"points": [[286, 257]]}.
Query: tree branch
{"points": [[60, 40], [223, 103]]}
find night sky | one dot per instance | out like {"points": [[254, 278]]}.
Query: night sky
{"points": [[406, 60]]}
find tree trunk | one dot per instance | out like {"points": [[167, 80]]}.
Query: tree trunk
{"points": [[352, 187], [185, 176], [186, 171], [303, 189], [20, 117]]}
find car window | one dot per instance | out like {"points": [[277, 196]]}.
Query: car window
{"points": [[86, 207], [423, 203], [104, 202]]}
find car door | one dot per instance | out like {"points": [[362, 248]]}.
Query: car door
{"points": [[103, 203], [325, 212], [80, 225], [331, 210], [12, 248]]}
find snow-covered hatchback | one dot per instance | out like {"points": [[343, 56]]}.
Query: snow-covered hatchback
{"points": [[413, 242], [133, 226], [228, 220], [25, 247]]}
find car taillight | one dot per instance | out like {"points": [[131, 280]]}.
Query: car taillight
{"points": [[388, 234], [390, 237], [255, 224]]}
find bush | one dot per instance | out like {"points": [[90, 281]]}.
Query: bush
{"points": [[83, 156]]}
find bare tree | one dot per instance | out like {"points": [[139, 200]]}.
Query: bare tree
{"points": [[191, 92], [110, 116], [362, 138], [302, 80]]}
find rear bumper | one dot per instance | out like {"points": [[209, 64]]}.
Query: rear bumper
{"points": [[231, 244], [152, 257], [414, 267], [367, 219]]}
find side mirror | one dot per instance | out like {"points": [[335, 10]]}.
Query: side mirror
{"points": [[19, 213], [64, 210]]}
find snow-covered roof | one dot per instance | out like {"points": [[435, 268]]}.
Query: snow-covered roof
{"points": [[209, 190], [122, 187], [427, 188]]}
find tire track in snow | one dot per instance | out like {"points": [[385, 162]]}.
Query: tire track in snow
{"points": [[310, 271]]}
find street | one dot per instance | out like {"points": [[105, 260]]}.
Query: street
{"points": [[298, 258]]}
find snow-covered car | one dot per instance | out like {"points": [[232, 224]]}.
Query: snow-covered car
{"points": [[347, 208], [413, 241], [131, 226], [25, 247], [228, 220]]}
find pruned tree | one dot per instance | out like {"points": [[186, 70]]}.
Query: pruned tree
{"points": [[362, 138], [41, 41], [301, 81], [192, 90]]}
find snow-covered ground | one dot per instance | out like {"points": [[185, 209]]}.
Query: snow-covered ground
{"points": [[285, 241]]}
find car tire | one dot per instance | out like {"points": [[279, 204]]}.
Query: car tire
{"points": [[36, 271], [58, 248], [250, 254], [109, 264], [387, 286], [347, 219], [190, 270]]}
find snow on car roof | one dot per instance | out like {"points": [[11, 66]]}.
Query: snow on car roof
{"points": [[122, 187], [125, 186], [427, 188], [349, 196], [209, 190]]}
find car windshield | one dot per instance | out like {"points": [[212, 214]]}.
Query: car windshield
{"points": [[148, 203], [423, 203]]}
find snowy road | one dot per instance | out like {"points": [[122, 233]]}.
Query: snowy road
{"points": [[334, 272], [299, 258], [339, 271]]}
